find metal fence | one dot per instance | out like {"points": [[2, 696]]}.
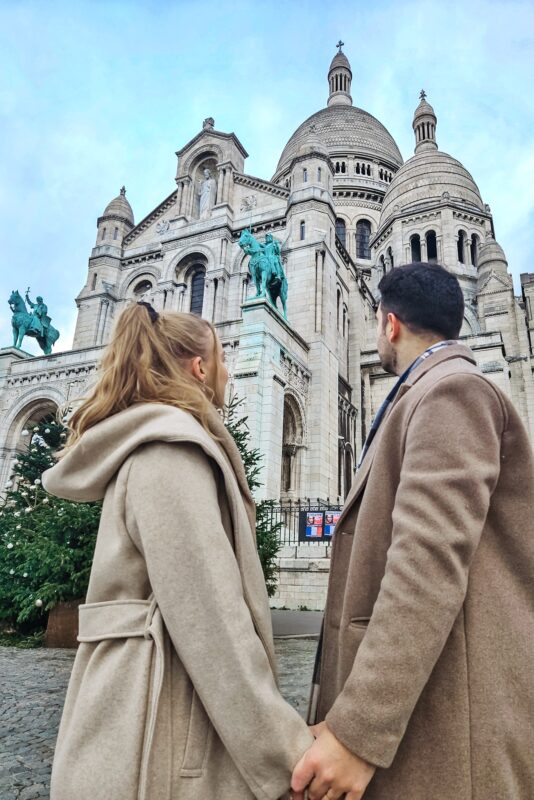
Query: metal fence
{"points": [[287, 514]]}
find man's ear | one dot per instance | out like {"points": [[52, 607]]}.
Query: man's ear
{"points": [[393, 327]]}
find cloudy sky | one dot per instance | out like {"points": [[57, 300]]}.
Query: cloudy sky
{"points": [[98, 94]]}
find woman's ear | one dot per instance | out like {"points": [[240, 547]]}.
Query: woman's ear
{"points": [[197, 369]]}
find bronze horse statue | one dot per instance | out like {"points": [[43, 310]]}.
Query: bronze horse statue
{"points": [[35, 325]]}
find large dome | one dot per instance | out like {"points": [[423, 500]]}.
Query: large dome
{"points": [[428, 176], [344, 130]]}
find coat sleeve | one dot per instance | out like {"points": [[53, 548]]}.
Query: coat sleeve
{"points": [[450, 468], [172, 497]]}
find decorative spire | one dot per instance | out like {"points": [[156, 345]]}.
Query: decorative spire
{"points": [[424, 125], [339, 79], [123, 191]]}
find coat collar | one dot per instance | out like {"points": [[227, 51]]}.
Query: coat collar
{"points": [[440, 356]]}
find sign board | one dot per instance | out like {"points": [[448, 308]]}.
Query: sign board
{"points": [[316, 525]]}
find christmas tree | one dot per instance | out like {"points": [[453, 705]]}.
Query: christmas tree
{"points": [[46, 544], [267, 538]]}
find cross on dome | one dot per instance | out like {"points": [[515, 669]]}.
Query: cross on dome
{"points": [[123, 190], [422, 94], [339, 45]]}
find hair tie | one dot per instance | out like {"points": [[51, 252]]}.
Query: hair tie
{"points": [[152, 313]]}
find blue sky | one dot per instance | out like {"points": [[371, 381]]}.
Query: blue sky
{"points": [[96, 94]]}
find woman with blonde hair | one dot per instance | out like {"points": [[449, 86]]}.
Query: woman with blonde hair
{"points": [[173, 693]]}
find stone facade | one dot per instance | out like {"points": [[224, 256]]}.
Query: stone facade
{"points": [[345, 209]]}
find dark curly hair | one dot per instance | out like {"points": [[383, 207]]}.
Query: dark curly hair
{"points": [[425, 297]]}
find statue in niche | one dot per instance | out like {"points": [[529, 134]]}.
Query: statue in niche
{"points": [[208, 191], [266, 267]]}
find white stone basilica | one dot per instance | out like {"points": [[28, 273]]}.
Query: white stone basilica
{"points": [[345, 208]]}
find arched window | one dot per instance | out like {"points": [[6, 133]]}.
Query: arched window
{"points": [[390, 257], [319, 174], [461, 247], [338, 306], [337, 166], [363, 237], [341, 231], [305, 175], [142, 287], [344, 321], [381, 174], [197, 291], [93, 285], [368, 169], [292, 434], [116, 233], [415, 247], [474, 250], [302, 230], [103, 233], [431, 246], [342, 166], [382, 265], [357, 168]]}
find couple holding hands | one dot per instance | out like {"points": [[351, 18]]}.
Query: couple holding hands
{"points": [[423, 683]]}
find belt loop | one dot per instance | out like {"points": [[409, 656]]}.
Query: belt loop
{"points": [[149, 616]]}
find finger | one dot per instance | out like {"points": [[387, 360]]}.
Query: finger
{"points": [[354, 796], [318, 788], [332, 794], [302, 775]]}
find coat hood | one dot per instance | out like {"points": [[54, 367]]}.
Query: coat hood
{"points": [[85, 471]]}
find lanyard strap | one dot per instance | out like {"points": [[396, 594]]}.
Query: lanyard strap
{"points": [[393, 393]]}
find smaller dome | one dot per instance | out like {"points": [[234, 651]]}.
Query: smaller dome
{"points": [[423, 108], [428, 177], [340, 60], [491, 256], [119, 207]]}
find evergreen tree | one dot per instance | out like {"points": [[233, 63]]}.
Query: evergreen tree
{"points": [[46, 544], [267, 538]]}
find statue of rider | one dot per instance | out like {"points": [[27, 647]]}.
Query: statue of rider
{"points": [[39, 311], [271, 249]]}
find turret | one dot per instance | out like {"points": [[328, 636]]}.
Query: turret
{"points": [[424, 125], [340, 79], [116, 221]]}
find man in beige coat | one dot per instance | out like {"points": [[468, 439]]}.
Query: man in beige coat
{"points": [[427, 666]]}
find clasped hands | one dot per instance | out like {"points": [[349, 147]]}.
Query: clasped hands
{"points": [[329, 771]]}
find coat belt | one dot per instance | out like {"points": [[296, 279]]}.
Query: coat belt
{"points": [[125, 619]]}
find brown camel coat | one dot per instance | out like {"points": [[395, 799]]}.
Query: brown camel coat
{"points": [[428, 660], [173, 691]]}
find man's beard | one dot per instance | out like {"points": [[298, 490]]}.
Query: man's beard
{"points": [[388, 357]]}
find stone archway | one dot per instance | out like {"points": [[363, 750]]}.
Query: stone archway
{"points": [[23, 418], [292, 446]]}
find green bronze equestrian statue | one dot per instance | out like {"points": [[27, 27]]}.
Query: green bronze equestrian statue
{"points": [[37, 324], [266, 267]]}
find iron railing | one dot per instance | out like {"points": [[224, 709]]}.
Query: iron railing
{"points": [[286, 513]]}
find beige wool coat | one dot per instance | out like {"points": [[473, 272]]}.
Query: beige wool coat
{"points": [[427, 666], [173, 693]]}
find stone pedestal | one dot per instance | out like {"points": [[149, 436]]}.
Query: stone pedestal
{"points": [[266, 342]]}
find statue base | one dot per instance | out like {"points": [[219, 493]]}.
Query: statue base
{"points": [[10, 354], [269, 349]]}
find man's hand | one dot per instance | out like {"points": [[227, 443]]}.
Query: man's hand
{"points": [[330, 770]]}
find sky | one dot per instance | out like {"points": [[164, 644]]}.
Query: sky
{"points": [[94, 95]]}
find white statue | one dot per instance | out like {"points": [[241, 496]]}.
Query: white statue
{"points": [[208, 190]]}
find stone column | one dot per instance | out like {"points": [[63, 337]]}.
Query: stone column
{"points": [[220, 183], [179, 193], [467, 252], [227, 185], [207, 305], [423, 248]]}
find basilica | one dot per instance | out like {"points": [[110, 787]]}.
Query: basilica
{"points": [[344, 207]]}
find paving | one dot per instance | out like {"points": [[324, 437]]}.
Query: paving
{"points": [[32, 690]]}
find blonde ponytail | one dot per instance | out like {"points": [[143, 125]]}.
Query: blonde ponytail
{"points": [[145, 363]]}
